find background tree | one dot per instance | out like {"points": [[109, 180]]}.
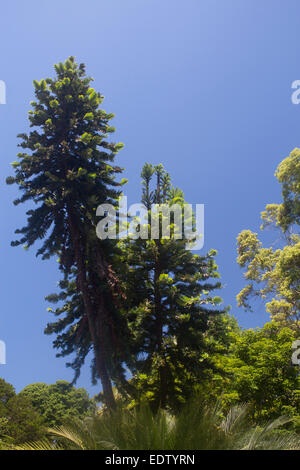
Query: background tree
{"points": [[169, 302], [67, 170], [19, 421], [260, 373], [274, 274], [57, 403]]}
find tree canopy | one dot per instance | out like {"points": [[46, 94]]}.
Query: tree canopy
{"points": [[67, 169], [274, 274], [19, 421], [58, 403]]}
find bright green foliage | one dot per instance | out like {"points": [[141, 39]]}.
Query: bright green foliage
{"points": [[274, 274], [59, 402], [259, 371], [19, 421], [221, 335], [169, 304], [66, 168], [288, 175]]}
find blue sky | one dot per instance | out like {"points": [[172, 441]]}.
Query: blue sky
{"points": [[202, 86]]}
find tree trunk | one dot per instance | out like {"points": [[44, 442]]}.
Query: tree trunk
{"points": [[98, 340], [163, 383]]}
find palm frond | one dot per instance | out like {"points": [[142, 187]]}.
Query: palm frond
{"points": [[195, 428]]}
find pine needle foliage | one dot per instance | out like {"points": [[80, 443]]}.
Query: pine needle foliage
{"points": [[66, 169]]}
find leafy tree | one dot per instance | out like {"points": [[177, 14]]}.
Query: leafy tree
{"points": [[169, 303], [7, 391], [19, 422], [222, 334], [261, 373], [59, 402], [274, 274], [66, 168]]}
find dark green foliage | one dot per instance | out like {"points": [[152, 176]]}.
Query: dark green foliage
{"points": [[67, 161], [66, 168], [19, 421], [71, 326], [7, 391]]}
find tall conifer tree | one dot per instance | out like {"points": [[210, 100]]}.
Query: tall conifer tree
{"points": [[66, 168], [169, 302]]}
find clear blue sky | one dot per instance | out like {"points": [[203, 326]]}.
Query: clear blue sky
{"points": [[203, 86]]}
